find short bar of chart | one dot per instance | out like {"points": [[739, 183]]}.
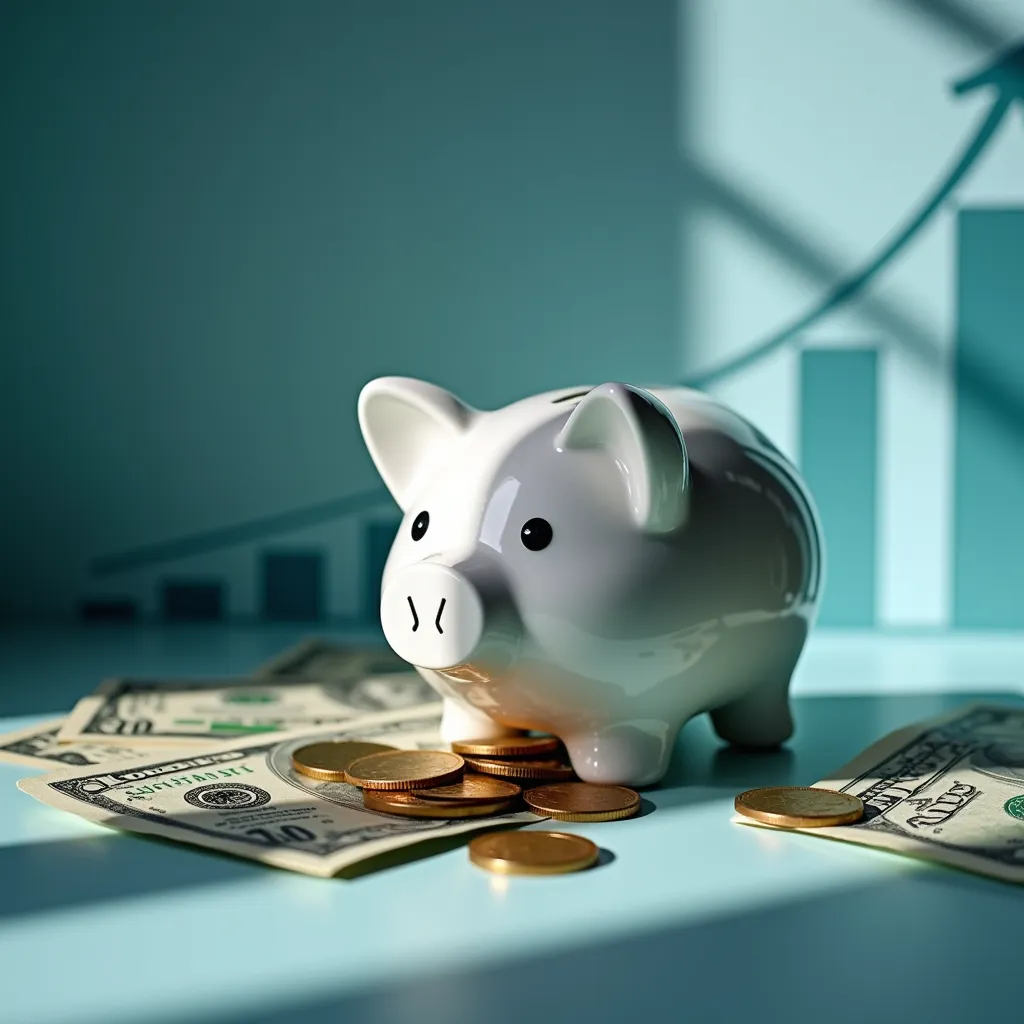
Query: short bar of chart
{"points": [[839, 459], [292, 586], [108, 610], [988, 550], [378, 538], [192, 600]]}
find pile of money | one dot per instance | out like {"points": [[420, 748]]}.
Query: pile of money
{"points": [[439, 784], [330, 755], [257, 766]]}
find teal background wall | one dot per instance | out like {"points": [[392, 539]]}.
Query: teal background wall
{"points": [[218, 220], [837, 155]]}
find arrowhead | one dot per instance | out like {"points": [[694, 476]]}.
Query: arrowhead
{"points": [[1006, 73]]}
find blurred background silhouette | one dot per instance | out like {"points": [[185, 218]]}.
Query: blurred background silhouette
{"points": [[220, 220]]}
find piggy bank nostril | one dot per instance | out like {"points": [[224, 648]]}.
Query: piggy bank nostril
{"points": [[415, 617], [437, 621]]}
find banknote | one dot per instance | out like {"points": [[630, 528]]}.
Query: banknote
{"points": [[365, 678], [38, 747], [180, 712], [950, 789], [244, 798]]}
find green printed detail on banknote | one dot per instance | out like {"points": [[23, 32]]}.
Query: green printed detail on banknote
{"points": [[371, 679], [350, 684], [177, 711], [245, 798], [947, 790], [1015, 806], [235, 728]]}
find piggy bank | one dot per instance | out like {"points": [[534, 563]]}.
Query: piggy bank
{"points": [[597, 563]]}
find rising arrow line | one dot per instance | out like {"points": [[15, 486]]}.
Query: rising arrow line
{"points": [[851, 286]]}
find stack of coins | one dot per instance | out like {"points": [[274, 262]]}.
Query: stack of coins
{"points": [[430, 784], [326, 762], [528, 760], [439, 784], [409, 783]]}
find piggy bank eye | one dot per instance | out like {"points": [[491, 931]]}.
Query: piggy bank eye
{"points": [[420, 524], [536, 534]]}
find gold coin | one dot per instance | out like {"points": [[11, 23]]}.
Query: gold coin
{"points": [[532, 853], [800, 806], [410, 805], [328, 761], [405, 769], [523, 769], [473, 789], [581, 801], [511, 746]]}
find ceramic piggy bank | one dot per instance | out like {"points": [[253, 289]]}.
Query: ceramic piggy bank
{"points": [[598, 563]]}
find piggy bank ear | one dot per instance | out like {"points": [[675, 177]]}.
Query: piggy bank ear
{"points": [[643, 438], [407, 424]]}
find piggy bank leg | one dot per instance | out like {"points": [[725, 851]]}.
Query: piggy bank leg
{"points": [[625, 754], [460, 721], [760, 718]]}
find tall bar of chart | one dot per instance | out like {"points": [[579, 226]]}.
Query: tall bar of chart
{"points": [[379, 537], [839, 459], [988, 556], [293, 586]]}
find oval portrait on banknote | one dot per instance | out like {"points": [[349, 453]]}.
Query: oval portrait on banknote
{"points": [[227, 796], [1003, 759]]}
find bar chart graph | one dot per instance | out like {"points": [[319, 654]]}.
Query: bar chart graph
{"points": [[839, 437], [291, 584], [840, 431]]}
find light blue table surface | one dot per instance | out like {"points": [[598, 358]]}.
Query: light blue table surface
{"points": [[689, 917]]}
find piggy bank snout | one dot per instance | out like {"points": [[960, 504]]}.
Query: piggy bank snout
{"points": [[432, 615]]}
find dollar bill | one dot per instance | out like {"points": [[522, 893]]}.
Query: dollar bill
{"points": [[38, 747], [244, 798], [367, 679], [182, 712], [950, 789]]}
